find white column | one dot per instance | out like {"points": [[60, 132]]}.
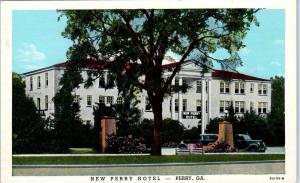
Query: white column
{"points": [[180, 102], [203, 107], [105, 78], [209, 101], [173, 101]]}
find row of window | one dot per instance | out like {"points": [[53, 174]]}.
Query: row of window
{"points": [[239, 88], [101, 100], [38, 82], [184, 105], [109, 82], [239, 106]]}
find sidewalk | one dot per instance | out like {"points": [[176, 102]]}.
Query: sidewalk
{"points": [[257, 167]]}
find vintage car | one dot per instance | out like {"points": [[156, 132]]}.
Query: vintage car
{"points": [[242, 142]]}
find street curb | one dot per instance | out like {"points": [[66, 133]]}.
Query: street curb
{"points": [[145, 165]]}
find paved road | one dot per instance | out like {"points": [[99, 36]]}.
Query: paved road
{"points": [[202, 169]]}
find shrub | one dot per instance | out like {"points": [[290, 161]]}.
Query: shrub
{"points": [[117, 144], [220, 147]]}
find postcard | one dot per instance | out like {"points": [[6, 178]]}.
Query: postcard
{"points": [[148, 91]]}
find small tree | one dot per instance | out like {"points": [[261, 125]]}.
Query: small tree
{"points": [[191, 135], [68, 127]]}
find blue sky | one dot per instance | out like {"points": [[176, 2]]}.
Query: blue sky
{"points": [[37, 42]]}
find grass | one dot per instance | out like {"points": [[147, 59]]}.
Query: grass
{"points": [[143, 159]]}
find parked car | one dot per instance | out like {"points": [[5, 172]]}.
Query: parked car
{"points": [[243, 142], [209, 138]]}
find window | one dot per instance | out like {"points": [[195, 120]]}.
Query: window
{"points": [[184, 104], [262, 107], [77, 99], [251, 106], [265, 89], [102, 99], [224, 105], [262, 89], [46, 80], [110, 99], [38, 103], [198, 105], [251, 87], [89, 100], [224, 87], [176, 105], [147, 105], [206, 106], [39, 82], [184, 82], [206, 86], [120, 100], [101, 81], [31, 84], [110, 81], [46, 102], [198, 86], [176, 82], [239, 87], [239, 106]]}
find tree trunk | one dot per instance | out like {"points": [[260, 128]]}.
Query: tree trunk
{"points": [[157, 112]]}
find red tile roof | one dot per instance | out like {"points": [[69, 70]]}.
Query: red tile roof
{"points": [[234, 75], [215, 73]]}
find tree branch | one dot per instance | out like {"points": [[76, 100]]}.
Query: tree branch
{"points": [[135, 36], [193, 44]]}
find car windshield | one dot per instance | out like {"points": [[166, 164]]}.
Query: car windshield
{"points": [[246, 137]]}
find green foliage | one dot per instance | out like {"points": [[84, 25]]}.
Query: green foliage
{"points": [[69, 130], [276, 119], [119, 144], [28, 133], [213, 125], [146, 131], [127, 114], [191, 135], [172, 131]]}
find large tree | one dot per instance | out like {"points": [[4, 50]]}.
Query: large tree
{"points": [[133, 43]]}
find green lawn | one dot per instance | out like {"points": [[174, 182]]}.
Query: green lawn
{"points": [[144, 159]]}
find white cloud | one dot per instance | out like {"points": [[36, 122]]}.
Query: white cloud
{"points": [[275, 63], [29, 53]]}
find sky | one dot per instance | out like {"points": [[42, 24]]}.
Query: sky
{"points": [[38, 43]]}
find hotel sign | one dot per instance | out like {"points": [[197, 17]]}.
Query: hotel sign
{"points": [[191, 115]]}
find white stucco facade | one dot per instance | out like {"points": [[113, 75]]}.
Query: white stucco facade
{"points": [[208, 96]]}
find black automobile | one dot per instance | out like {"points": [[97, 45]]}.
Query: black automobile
{"points": [[208, 138], [243, 142]]}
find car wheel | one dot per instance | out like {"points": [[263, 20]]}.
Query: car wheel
{"points": [[252, 149]]}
